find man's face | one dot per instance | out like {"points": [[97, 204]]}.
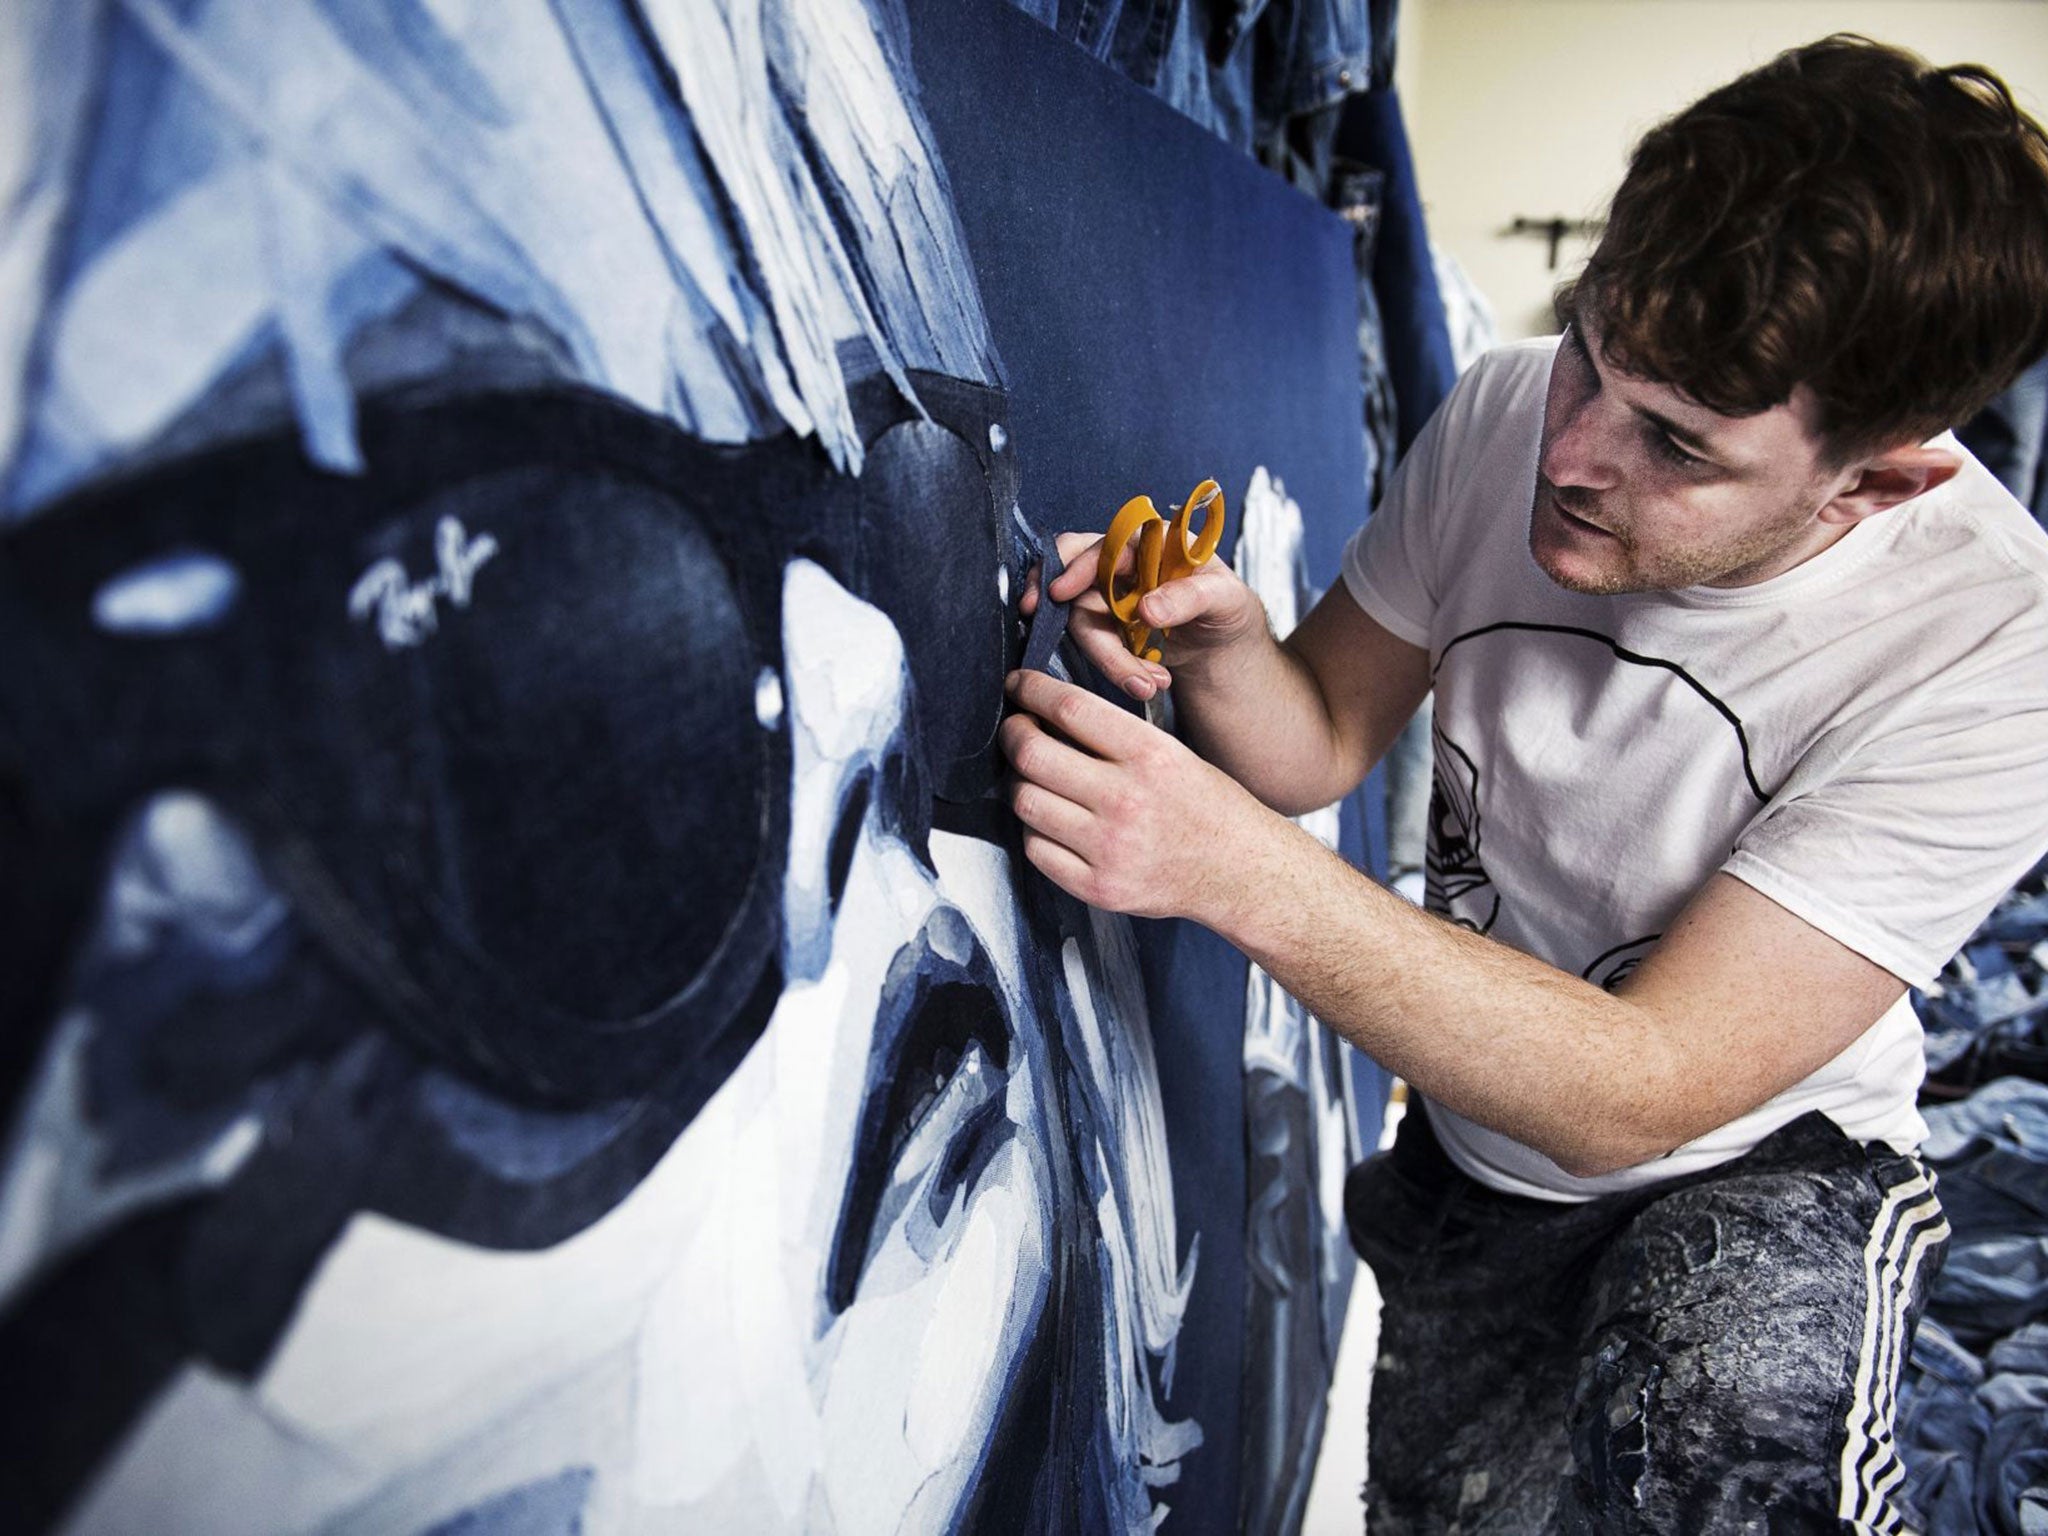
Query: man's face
{"points": [[1640, 489]]}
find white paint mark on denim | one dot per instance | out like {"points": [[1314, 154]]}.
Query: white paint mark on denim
{"points": [[408, 611], [171, 595], [768, 700]]}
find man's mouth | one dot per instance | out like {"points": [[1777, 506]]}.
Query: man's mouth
{"points": [[1579, 522]]}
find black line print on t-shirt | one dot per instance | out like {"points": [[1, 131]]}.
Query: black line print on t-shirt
{"points": [[1455, 882], [1634, 658], [1611, 968], [1458, 886]]}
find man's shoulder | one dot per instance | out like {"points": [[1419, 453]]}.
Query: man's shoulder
{"points": [[1949, 619], [1515, 374], [1970, 538], [1532, 354], [1493, 419]]}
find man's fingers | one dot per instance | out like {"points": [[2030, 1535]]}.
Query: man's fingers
{"points": [[1062, 866], [1074, 584], [1083, 554], [1184, 600], [1042, 810], [1101, 641], [1079, 715], [1041, 758], [1103, 644]]}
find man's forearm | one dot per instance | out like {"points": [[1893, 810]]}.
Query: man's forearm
{"points": [[1254, 709], [1596, 1085]]}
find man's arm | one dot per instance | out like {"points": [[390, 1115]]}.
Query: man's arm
{"points": [[1736, 1003], [1301, 722], [1298, 723]]}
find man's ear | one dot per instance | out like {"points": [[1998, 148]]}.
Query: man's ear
{"points": [[1892, 477]]}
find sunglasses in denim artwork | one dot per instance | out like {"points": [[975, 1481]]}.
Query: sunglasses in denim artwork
{"points": [[504, 713], [499, 739]]}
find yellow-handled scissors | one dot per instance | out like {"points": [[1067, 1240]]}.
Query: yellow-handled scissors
{"points": [[1163, 554]]}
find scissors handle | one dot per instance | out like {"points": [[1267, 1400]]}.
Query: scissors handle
{"points": [[1155, 559], [1183, 558]]}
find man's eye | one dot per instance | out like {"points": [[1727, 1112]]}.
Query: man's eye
{"points": [[1668, 447]]}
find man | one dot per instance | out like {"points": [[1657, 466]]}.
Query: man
{"points": [[1742, 725]]}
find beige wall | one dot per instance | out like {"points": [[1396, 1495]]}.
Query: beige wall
{"points": [[1528, 107]]}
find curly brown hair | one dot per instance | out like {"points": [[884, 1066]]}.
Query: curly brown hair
{"points": [[1847, 217]]}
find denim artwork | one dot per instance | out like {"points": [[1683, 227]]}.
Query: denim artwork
{"points": [[523, 1008]]}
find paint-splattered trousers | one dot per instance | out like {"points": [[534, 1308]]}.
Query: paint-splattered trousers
{"points": [[1716, 1354]]}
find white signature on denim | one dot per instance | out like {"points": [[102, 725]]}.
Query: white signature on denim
{"points": [[408, 611]]}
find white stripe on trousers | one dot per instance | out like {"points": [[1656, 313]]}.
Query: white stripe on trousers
{"points": [[1909, 1222]]}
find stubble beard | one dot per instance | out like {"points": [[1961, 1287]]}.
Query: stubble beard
{"points": [[1675, 569]]}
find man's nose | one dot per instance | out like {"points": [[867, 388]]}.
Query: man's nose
{"points": [[1580, 450]]}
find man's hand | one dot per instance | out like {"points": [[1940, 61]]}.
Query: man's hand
{"points": [[1738, 1001], [1207, 611], [1118, 813]]}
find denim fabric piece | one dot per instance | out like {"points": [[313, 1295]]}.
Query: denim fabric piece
{"points": [[1418, 344], [1973, 1430], [1938, 1409], [1986, 1015], [1240, 68], [1316, 52], [1358, 194], [2012, 1469], [1998, 1190], [1993, 1284]]}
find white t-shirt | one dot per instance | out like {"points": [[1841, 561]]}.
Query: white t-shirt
{"points": [[1863, 739]]}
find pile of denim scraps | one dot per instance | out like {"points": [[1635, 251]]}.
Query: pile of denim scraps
{"points": [[1986, 1016], [1973, 1404]]}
